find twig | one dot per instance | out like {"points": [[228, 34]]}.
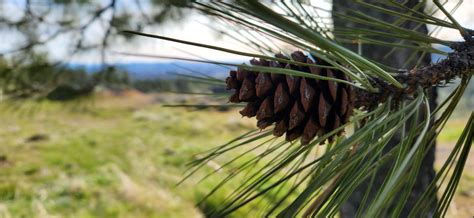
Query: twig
{"points": [[458, 64], [107, 32]]}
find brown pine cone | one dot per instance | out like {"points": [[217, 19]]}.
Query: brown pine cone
{"points": [[299, 107]]}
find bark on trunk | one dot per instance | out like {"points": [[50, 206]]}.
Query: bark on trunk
{"points": [[398, 60]]}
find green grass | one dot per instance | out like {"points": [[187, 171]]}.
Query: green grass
{"points": [[452, 131], [107, 161], [112, 160]]}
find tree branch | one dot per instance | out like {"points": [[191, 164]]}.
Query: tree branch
{"points": [[459, 63]]}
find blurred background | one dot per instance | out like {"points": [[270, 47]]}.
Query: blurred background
{"points": [[83, 129]]}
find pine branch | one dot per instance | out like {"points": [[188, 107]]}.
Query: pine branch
{"points": [[308, 107], [458, 64]]}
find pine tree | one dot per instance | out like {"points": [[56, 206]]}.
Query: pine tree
{"points": [[385, 99]]}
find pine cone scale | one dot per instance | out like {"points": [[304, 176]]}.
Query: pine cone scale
{"points": [[266, 109], [263, 85], [297, 115], [247, 91], [308, 93], [310, 130], [331, 84], [282, 99], [280, 127], [323, 110]]}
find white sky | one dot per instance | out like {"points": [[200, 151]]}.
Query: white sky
{"points": [[464, 15], [194, 28]]}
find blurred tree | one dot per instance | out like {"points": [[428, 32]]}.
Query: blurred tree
{"points": [[82, 27], [88, 24]]}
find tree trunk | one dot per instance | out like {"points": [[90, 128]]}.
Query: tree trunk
{"points": [[397, 59]]}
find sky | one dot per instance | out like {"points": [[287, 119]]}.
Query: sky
{"points": [[193, 28]]}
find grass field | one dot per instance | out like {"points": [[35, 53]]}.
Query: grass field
{"points": [[122, 156]]}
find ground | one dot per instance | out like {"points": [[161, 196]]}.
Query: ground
{"points": [[122, 156]]}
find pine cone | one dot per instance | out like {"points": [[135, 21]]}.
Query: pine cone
{"points": [[300, 107]]}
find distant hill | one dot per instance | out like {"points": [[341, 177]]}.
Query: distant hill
{"points": [[141, 71], [165, 70]]}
